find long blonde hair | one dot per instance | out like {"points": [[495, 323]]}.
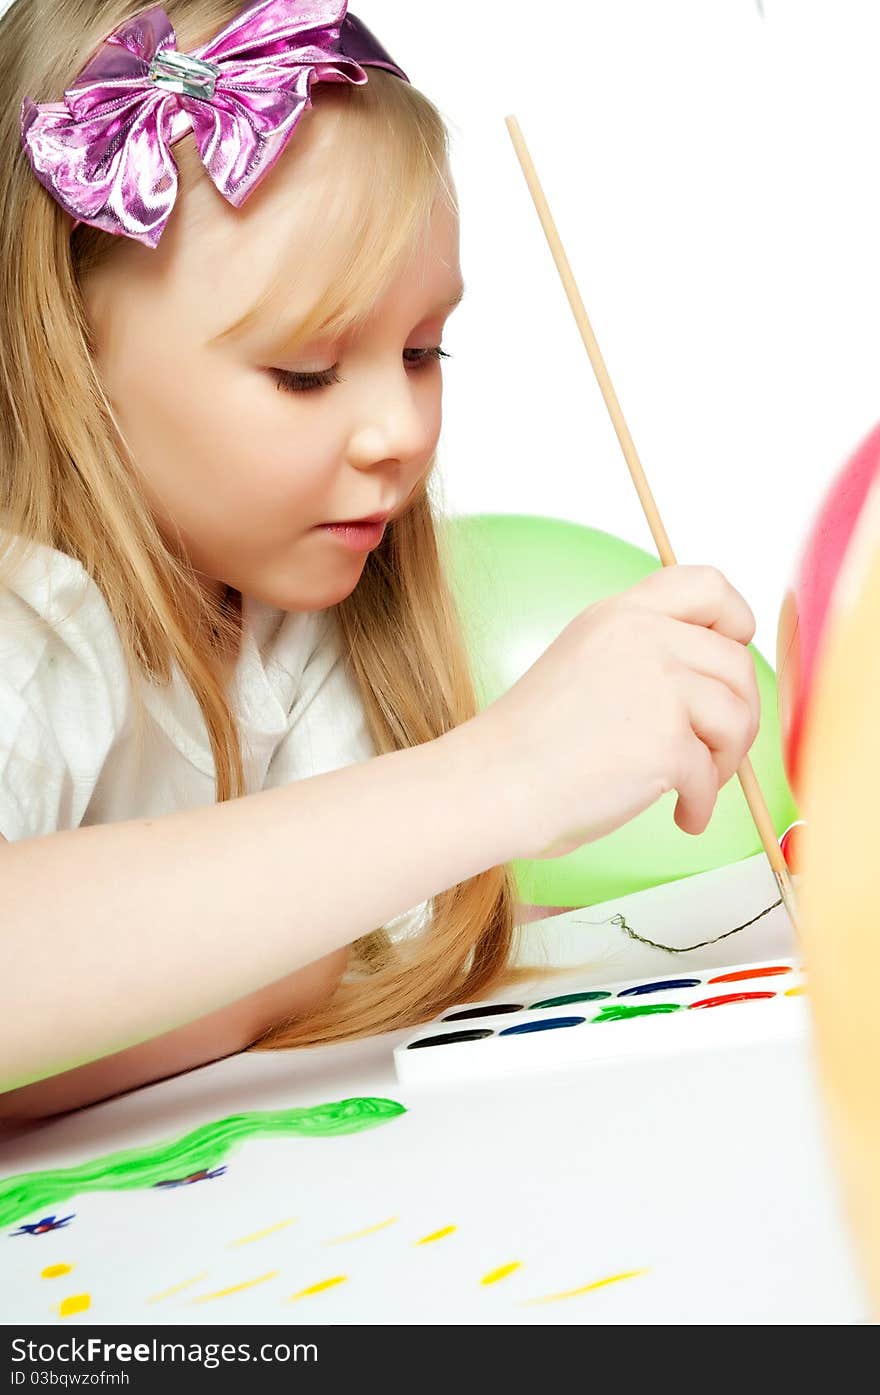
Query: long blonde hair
{"points": [[68, 480]]}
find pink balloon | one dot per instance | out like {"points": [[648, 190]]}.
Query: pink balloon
{"points": [[805, 607]]}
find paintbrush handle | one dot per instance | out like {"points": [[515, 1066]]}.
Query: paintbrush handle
{"points": [[591, 344], [764, 824]]}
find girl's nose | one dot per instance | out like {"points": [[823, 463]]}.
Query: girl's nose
{"points": [[393, 424]]}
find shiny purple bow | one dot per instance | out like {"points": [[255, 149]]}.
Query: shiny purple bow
{"points": [[103, 153]]}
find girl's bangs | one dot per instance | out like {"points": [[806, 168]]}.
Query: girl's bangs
{"points": [[387, 174]]}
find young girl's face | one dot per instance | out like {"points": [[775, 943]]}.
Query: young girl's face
{"points": [[231, 454]]}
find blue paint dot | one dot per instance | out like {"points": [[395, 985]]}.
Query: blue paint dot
{"points": [[545, 1025], [660, 986]]}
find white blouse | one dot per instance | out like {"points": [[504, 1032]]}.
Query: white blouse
{"points": [[72, 751]]}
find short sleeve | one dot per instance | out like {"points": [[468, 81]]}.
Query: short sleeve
{"points": [[64, 693]]}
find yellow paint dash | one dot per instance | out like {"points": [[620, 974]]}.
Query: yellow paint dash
{"points": [[260, 1234], [319, 1287], [795, 992], [587, 1288], [177, 1288], [358, 1234], [236, 1288], [75, 1303], [54, 1271], [495, 1274], [435, 1235]]}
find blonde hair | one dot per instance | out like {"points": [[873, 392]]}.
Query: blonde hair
{"points": [[68, 480]]}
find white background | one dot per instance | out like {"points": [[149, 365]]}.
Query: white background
{"points": [[713, 173]]}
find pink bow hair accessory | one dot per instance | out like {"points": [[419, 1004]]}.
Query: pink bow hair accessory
{"points": [[104, 152]]}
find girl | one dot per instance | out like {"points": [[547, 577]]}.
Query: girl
{"points": [[245, 791]]}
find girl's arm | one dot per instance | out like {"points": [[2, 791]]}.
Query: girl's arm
{"points": [[113, 934], [224, 1032]]}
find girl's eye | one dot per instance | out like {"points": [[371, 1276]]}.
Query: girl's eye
{"points": [[289, 381]]}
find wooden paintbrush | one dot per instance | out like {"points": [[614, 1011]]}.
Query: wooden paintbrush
{"points": [[750, 787]]}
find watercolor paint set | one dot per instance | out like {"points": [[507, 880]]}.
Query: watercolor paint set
{"points": [[693, 1010]]}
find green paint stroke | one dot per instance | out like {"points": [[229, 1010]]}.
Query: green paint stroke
{"points": [[31, 1193], [617, 1012]]}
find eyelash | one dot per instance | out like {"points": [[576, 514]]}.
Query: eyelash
{"points": [[289, 381]]}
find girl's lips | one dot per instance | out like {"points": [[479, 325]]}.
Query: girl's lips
{"points": [[359, 537]]}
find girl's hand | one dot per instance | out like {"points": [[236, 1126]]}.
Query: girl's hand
{"points": [[644, 692]]}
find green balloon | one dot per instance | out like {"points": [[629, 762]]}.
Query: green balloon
{"points": [[518, 580]]}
